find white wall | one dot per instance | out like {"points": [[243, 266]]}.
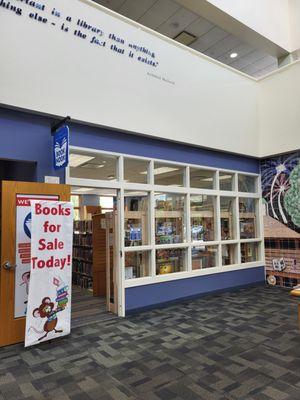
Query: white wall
{"points": [[270, 18], [295, 24], [279, 115], [54, 72]]}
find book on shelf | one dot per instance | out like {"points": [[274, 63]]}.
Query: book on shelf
{"points": [[83, 281], [83, 254], [83, 226], [82, 267], [80, 239]]}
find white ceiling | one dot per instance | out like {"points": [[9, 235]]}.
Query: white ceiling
{"points": [[169, 18]]}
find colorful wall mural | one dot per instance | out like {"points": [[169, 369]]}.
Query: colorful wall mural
{"points": [[280, 178]]}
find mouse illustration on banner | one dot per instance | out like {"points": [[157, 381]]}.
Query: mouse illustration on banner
{"points": [[48, 310]]}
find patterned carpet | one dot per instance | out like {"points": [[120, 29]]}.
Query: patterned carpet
{"points": [[236, 345]]}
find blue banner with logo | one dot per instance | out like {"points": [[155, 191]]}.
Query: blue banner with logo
{"points": [[61, 147]]}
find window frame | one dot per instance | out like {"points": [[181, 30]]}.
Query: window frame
{"points": [[186, 190]]}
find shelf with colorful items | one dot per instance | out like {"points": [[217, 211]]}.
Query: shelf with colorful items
{"points": [[135, 229]]}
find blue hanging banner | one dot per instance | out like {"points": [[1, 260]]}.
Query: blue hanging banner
{"points": [[61, 147]]}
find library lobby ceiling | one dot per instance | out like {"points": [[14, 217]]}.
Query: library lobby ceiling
{"points": [[174, 21]]}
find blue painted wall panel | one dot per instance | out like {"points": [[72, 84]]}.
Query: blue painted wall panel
{"points": [[150, 295], [84, 136], [27, 137]]}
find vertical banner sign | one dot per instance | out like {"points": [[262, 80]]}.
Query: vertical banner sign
{"points": [[23, 258], [61, 147], [49, 300]]}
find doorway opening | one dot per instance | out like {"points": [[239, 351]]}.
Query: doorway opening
{"points": [[94, 261]]}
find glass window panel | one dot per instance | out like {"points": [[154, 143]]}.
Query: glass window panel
{"points": [[247, 183], [228, 218], [137, 264], [204, 257], [229, 254], [248, 225], [202, 179], [106, 202], [169, 261], [75, 200], [169, 218], [76, 214], [226, 181], [88, 165], [202, 217], [249, 252], [135, 171], [136, 218], [168, 175]]}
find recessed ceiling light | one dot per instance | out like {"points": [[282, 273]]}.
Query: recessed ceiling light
{"points": [[160, 170], [83, 190], [202, 178], [78, 159], [233, 55], [222, 177], [92, 166], [164, 170]]}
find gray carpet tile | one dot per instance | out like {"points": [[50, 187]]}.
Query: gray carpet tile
{"points": [[242, 345]]}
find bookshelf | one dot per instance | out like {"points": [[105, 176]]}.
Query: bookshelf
{"points": [[83, 254]]}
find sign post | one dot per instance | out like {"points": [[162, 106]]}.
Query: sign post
{"points": [[49, 300]]}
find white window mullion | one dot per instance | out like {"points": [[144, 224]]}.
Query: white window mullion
{"points": [[120, 169], [186, 182], [217, 181], [121, 261], [121, 274], [152, 218], [260, 223], [188, 231], [236, 183], [218, 229], [237, 227], [152, 233], [151, 173]]}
